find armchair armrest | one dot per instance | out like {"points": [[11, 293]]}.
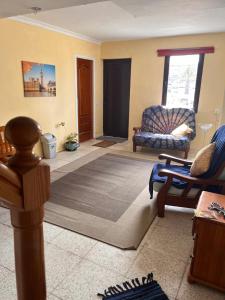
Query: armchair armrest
{"points": [[190, 179], [172, 174], [170, 158], [136, 129]]}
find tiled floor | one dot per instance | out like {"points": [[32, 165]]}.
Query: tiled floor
{"points": [[78, 267]]}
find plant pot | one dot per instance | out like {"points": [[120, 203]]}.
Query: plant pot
{"points": [[71, 146]]}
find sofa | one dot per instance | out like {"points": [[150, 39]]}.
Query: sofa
{"points": [[157, 124]]}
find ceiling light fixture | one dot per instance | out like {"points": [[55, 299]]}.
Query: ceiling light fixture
{"points": [[36, 10]]}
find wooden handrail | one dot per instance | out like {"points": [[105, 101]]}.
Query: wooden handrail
{"points": [[24, 188], [10, 176]]}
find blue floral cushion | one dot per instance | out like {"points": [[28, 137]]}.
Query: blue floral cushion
{"points": [[161, 141]]}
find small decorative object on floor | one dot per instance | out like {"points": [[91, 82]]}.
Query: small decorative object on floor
{"points": [[219, 209], [71, 143], [144, 289]]}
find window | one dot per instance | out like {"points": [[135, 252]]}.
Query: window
{"points": [[182, 80]]}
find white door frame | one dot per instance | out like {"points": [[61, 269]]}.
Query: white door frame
{"points": [[93, 91]]}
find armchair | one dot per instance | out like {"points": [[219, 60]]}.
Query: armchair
{"points": [[175, 185], [157, 124]]}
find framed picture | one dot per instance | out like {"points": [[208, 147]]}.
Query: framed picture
{"points": [[38, 79]]}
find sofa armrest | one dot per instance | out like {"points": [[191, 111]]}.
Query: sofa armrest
{"points": [[136, 129], [170, 158]]}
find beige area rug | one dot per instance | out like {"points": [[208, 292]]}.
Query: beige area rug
{"points": [[105, 196]]}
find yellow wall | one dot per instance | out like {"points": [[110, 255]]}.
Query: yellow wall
{"points": [[147, 75], [25, 42]]}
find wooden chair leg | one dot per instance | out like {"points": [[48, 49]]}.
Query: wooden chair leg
{"points": [[186, 153], [161, 211], [134, 147], [161, 206], [161, 198]]}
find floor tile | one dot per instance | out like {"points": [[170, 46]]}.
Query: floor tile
{"points": [[6, 247], [197, 291], [71, 156], [52, 297], [67, 155], [5, 218], [3, 210], [86, 281], [177, 219], [55, 163], [7, 285], [51, 231], [168, 271], [59, 264], [74, 242], [112, 258], [175, 242], [149, 233]]}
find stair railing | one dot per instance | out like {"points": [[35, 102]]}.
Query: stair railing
{"points": [[24, 188]]}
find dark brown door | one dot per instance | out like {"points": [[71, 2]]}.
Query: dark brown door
{"points": [[116, 97], [85, 98]]}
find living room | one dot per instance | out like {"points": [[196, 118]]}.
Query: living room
{"points": [[107, 230]]}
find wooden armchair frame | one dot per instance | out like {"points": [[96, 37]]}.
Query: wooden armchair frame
{"points": [[136, 130], [164, 198]]}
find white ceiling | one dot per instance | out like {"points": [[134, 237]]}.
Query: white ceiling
{"points": [[135, 19], [19, 7]]}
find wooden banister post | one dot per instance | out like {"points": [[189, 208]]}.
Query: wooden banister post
{"points": [[23, 133]]}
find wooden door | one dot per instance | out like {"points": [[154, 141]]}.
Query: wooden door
{"points": [[85, 98], [116, 97]]}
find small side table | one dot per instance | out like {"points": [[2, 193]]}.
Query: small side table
{"points": [[208, 259]]}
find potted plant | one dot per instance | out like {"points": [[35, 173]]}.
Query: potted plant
{"points": [[71, 143]]}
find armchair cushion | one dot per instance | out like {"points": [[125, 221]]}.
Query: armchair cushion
{"points": [[182, 130], [161, 141], [175, 191], [202, 160], [218, 158]]}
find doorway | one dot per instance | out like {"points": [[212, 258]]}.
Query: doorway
{"points": [[116, 93], [85, 98]]}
